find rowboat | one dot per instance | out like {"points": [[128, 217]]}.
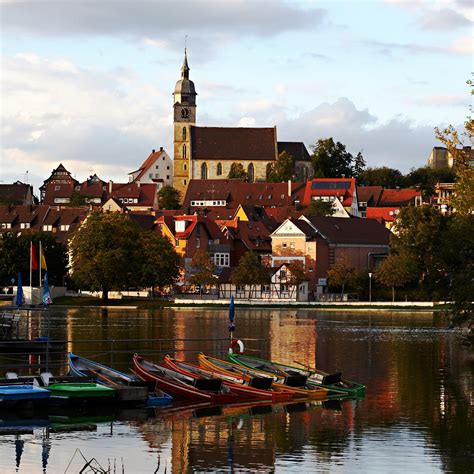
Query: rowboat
{"points": [[255, 388], [333, 382], [129, 388], [17, 393], [297, 385], [180, 385]]}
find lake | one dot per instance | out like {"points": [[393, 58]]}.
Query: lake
{"points": [[417, 415]]}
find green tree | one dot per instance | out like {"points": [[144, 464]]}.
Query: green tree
{"points": [[297, 275], [169, 198], [250, 271], [396, 271], [341, 273], [382, 176], [105, 253], [237, 171], [202, 272], [282, 170], [426, 178], [319, 208], [78, 200], [331, 160], [158, 260]]}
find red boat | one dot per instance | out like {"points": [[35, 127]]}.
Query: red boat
{"points": [[183, 386], [253, 388]]}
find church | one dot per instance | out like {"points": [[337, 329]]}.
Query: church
{"points": [[209, 152]]}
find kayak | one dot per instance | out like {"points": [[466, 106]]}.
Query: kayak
{"points": [[255, 388], [333, 382], [297, 385]]}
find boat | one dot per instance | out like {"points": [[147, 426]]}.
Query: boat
{"points": [[255, 388], [333, 382], [182, 386], [297, 385], [13, 394], [129, 388]]}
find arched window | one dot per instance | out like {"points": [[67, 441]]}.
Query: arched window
{"points": [[184, 133], [184, 151], [219, 169], [250, 173], [185, 167], [204, 171]]}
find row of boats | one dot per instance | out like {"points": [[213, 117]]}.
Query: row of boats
{"points": [[239, 378]]}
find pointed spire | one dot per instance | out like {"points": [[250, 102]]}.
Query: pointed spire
{"points": [[185, 67]]}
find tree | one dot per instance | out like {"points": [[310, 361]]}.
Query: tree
{"points": [[319, 208], [297, 275], [250, 271], [332, 160], [105, 253], [202, 270], [169, 198], [282, 170], [158, 260], [237, 171], [341, 273], [396, 271], [78, 200], [426, 178], [382, 176]]}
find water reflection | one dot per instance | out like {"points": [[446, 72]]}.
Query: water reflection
{"points": [[417, 414]]}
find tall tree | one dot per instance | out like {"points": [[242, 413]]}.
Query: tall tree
{"points": [[237, 171], [202, 272], [169, 198], [331, 160], [282, 170], [159, 261], [396, 271], [105, 253], [382, 176], [250, 271], [341, 273], [426, 178], [297, 275]]}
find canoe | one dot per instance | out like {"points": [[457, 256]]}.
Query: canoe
{"points": [[182, 386], [129, 388], [333, 382], [17, 393], [285, 383], [255, 388]]}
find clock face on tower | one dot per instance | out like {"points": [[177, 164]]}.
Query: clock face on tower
{"points": [[185, 113]]}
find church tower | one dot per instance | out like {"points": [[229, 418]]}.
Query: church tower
{"points": [[184, 118]]}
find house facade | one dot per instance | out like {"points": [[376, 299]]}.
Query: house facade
{"points": [[156, 169]]}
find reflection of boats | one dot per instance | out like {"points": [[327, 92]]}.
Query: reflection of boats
{"points": [[294, 384], [129, 387], [333, 382], [255, 388], [182, 386], [18, 393]]}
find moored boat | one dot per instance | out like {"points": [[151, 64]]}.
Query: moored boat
{"points": [[180, 385], [254, 388], [129, 388], [12, 394], [333, 382], [297, 385]]}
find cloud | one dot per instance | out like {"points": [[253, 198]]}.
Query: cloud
{"points": [[444, 19], [438, 101], [388, 48]]}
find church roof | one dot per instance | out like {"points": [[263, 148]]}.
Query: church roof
{"points": [[233, 143], [296, 149]]}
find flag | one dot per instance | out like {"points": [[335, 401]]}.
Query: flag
{"points": [[20, 299], [34, 260], [42, 260], [46, 293]]}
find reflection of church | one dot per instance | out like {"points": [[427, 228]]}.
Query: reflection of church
{"points": [[208, 152]]}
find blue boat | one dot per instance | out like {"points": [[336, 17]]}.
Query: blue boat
{"points": [[13, 394], [128, 386]]}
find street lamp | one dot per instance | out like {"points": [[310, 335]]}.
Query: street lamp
{"points": [[370, 286]]}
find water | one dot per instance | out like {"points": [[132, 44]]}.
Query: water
{"points": [[417, 415]]}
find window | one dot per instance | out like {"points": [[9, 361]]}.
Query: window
{"points": [[198, 243], [362, 204], [25, 225], [57, 188], [47, 228], [184, 151], [176, 242], [283, 275], [185, 168], [163, 158], [184, 133], [167, 176], [64, 228], [157, 167], [265, 289], [167, 167], [284, 288], [250, 173], [292, 245], [222, 259], [150, 175], [219, 169], [185, 182], [283, 245], [204, 171]]}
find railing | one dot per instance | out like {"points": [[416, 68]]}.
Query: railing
{"points": [[336, 297], [52, 355]]}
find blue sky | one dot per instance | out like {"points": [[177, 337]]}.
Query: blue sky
{"points": [[89, 83]]}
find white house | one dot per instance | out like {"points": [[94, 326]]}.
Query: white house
{"points": [[157, 169]]}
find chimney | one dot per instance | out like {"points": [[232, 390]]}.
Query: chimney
{"points": [[110, 186], [397, 188], [289, 188], [153, 151], [161, 148]]}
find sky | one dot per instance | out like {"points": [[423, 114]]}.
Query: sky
{"points": [[89, 83]]}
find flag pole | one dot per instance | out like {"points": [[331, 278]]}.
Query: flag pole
{"points": [[31, 273]]}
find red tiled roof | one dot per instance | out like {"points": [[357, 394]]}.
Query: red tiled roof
{"points": [[343, 188], [237, 143], [16, 193], [296, 149], [387, 214], [254, 235], [154, 155], [398, 197], [369, 194]]}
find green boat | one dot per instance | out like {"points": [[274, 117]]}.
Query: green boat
{"points": [[83, 391], [333, 382]]}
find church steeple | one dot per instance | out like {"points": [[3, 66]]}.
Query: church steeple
{"points": [[184, 91], [185, 67]]}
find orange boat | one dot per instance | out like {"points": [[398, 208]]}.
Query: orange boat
{"points": [[248, 387], [284, 383]]}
